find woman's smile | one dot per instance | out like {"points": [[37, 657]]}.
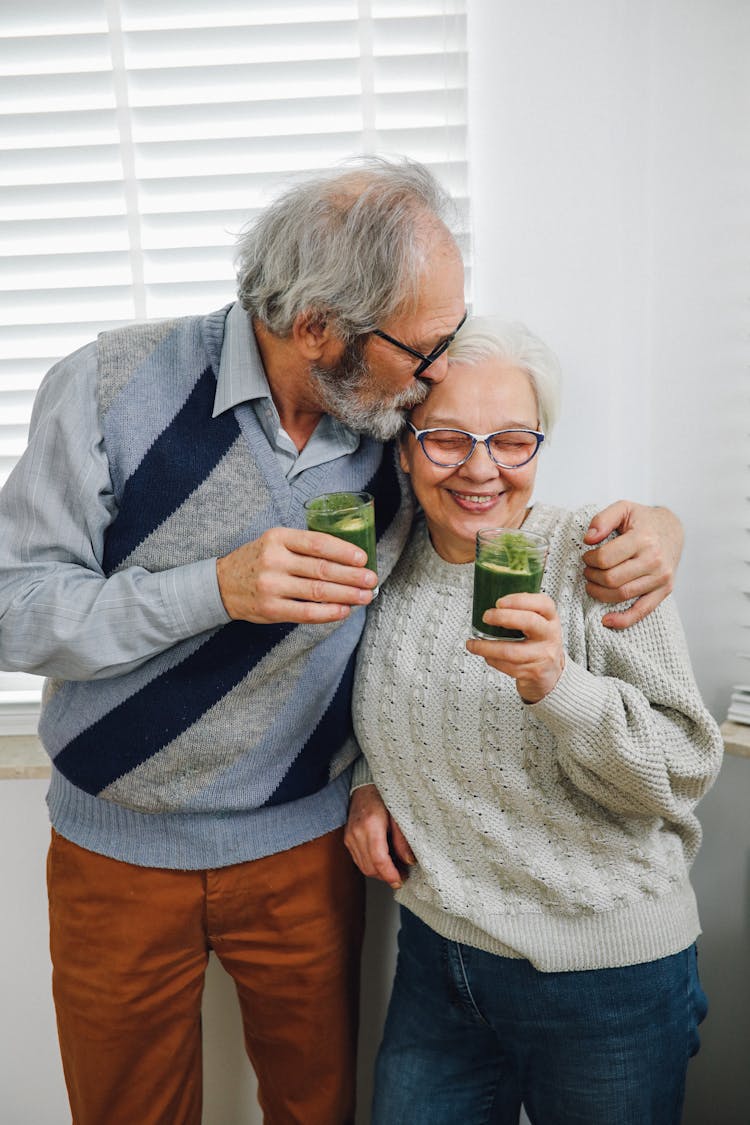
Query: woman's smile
{"points": [[475, 501]]}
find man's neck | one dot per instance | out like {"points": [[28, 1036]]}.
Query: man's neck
{"points": [[292, 390]]}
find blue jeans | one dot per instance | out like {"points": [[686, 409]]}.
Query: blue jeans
{"points": [[470, 1037]]}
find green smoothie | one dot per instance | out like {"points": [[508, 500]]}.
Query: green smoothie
{"points": [[348, 515], [507, 562]]}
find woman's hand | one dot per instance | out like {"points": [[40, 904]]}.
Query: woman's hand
{"points": [[535, 664], [374, 840]]}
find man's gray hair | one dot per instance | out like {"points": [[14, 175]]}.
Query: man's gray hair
{"points": [[348, 247], [490, 338]]}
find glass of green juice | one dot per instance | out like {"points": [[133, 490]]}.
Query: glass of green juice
{"points": [[348, 515], [507, 561]]}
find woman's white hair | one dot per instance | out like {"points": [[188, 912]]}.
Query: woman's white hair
{"points": [[490, 338], [348, 247]]}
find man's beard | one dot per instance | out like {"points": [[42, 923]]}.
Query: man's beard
{"points": [[343, 391]]}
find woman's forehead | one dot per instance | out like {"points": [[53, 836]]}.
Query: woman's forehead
{"points": [[490, 385]]}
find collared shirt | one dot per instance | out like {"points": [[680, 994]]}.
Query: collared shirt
{"points": [[243, 379], [59, 614]]}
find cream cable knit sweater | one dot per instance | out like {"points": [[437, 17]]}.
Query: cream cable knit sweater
{"points": [[561, 831]]}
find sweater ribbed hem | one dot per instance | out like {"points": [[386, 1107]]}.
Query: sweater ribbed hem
{"points": [[645, 930], [193, 841]]}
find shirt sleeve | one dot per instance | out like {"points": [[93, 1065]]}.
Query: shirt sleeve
{"points": [[59, 614]]}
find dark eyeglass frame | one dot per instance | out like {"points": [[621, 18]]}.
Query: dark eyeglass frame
{"points": [[426, 359], [475, 438]]}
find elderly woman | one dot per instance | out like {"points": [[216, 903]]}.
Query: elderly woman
{"points": [[539, 794]]}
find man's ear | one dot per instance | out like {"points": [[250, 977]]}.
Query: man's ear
{"points": [[313, 336]]}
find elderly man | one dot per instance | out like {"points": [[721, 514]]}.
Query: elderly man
{"points": [[199, 644]]}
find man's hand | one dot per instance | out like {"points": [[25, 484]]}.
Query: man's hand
{"points": [[375, 841], [293, 575], [640, 563]]}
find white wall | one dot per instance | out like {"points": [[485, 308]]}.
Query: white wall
{"points": [[611, 164]]}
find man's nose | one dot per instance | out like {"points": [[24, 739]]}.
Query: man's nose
{"points": [[437, 370]]}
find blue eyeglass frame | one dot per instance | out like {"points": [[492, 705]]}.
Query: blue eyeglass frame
{"points": [[475, 438], [434, 354]]}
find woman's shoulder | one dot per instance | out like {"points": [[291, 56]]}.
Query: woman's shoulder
{"points": [[564, 527]]}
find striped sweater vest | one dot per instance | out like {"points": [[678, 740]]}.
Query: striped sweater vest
{"points": [[245, 717]]}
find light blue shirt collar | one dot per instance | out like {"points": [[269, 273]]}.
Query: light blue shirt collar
{"points": [[242, 378], [241, 374]]}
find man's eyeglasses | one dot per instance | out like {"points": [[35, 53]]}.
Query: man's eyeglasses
{"points": [[426, 359], [510, 449]]}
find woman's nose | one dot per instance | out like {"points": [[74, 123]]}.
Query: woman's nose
{"points": [[480, 465]]}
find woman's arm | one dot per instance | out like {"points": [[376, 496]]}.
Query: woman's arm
{"points": [[631, 729]]}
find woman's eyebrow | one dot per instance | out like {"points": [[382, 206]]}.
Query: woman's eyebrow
{"points": [[452, 424]]}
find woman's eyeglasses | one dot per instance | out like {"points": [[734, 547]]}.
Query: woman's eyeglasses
{"points": [[510, 449]]}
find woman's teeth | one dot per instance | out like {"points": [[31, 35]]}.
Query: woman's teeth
{"points": [[474, 498]]}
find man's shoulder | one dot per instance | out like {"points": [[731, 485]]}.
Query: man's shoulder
{"points": [[170, 342], [71, 377], [148, 334]]}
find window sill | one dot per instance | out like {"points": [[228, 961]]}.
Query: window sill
{"points": [[22, 756], [736, 739], [19, 712]]}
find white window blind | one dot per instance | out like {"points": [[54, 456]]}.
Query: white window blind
{"points": [[138, 136]]}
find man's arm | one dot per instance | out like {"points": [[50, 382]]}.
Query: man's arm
{"points": [[639, 563], [59, 614], [373, 838]]}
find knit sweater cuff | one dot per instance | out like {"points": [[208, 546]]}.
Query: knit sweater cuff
{"points": [[576, 703], [191, 596], [361, 774]]}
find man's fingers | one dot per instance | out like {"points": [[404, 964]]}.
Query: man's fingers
{"points": [[366, 835], [629, 574], [318, 544], [617, 551], [372, 857], [293, 588], [608, 520], [322, 571], [301, 613], [637, 588], [636, 612]]}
